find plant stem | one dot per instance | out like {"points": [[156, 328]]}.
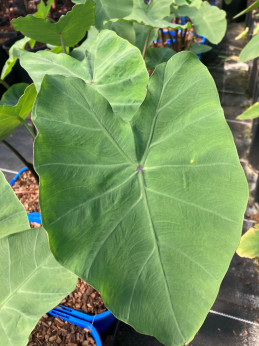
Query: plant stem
{"points": [[6, 85], [146, 43], [28, 164], [63, 44], [191, 40], [27, 128]]}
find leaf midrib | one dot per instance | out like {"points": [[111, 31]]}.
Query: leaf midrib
{"points": [[155, 237]]}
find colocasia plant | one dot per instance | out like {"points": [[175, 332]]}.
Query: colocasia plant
{"points": [[141, 190]]}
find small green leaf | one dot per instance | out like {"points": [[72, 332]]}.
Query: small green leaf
{"points": [[253, 6], [249, 244], [200, 48], [113, 67], [156, 56], [42, 9], [71, 27], [31, 281], [251, 113], [251, 50], [15, 104], [10, 62], [155, 205]]}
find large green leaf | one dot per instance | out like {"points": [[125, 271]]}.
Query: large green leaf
{"points": [[71, 27], [148, 212], [112, 66], [15, 106], [249, 244], [251, 50], [209, 21], [31, 280], [13, 217], [251, 112], [10, 62]]}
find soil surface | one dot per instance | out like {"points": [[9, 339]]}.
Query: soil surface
{"points": [[52, 330]]}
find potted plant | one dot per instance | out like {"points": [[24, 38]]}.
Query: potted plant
{"points": [[141, 190]]}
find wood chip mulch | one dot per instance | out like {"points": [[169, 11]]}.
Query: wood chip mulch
{"points": [[26, 189], [85, 298], [53, 331]]}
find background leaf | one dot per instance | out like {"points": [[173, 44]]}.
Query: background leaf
{"points": [[253, 6], [112, 66], [249, 244], [251, 50], [42, 9], [199, 48], [10, 62], [15, 104], [156, 56], [158, 203], [106, 10], [31, 282], [72, 27], [209, 21], [251, 113], [141, 32]]}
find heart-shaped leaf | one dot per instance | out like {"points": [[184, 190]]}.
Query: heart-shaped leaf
{"points": [[31, 282], [251, 50], [209, 21], [15, 106], [148, 212], [112, 66], [70, 28]]}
